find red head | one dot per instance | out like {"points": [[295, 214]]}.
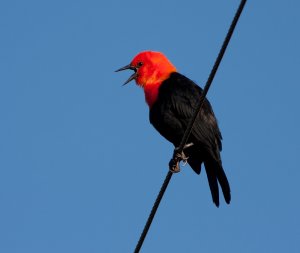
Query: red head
{"points": [[151, 69]]}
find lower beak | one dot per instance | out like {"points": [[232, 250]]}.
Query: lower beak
{"points": [[133, 76]]}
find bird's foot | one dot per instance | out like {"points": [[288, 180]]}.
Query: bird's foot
{"points": [[177, 158], [174, 166], [175, 161]]}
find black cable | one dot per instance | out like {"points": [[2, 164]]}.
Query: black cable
{"points": [[153, 211], [210, 78], [190, 125]]}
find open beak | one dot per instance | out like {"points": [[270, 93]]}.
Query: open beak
{"points": [[133, 76]]}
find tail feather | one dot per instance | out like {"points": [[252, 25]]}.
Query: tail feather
{"points": [[213, 182], [223, 181], [215, 173]]}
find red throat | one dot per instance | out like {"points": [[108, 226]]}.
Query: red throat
{"points": [[151, 93]]}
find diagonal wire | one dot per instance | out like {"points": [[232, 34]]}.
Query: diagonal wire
{"points": [[153, 211], [211, 77], [191, 123]]}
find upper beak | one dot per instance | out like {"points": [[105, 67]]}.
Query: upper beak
{"points": [[133, 76]]}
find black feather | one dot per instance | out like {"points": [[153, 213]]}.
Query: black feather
{"points": [[177, 99]]}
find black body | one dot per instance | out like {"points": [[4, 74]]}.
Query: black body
{"points": [[177, 99]]}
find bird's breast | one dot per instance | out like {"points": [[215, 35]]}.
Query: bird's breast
{"points": [[151, 93]]}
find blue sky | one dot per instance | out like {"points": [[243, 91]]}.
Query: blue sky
{"points": [[80, 165]]}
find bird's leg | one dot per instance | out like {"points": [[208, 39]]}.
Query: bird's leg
{"points": [[177, 157], [186, 146]]}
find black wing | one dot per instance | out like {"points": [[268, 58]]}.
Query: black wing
{"points": [[177, 100], [184, 98]]}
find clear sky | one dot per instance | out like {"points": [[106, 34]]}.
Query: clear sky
{"points": [[80, 165]]}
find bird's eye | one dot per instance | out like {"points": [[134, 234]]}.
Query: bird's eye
{"points": [[139, 64]]}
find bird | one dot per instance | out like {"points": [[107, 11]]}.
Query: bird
{"points": [[172, 99]]}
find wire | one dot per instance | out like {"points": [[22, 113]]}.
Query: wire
{"points": [[211, 77], [153, 211], [190, 125]]}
